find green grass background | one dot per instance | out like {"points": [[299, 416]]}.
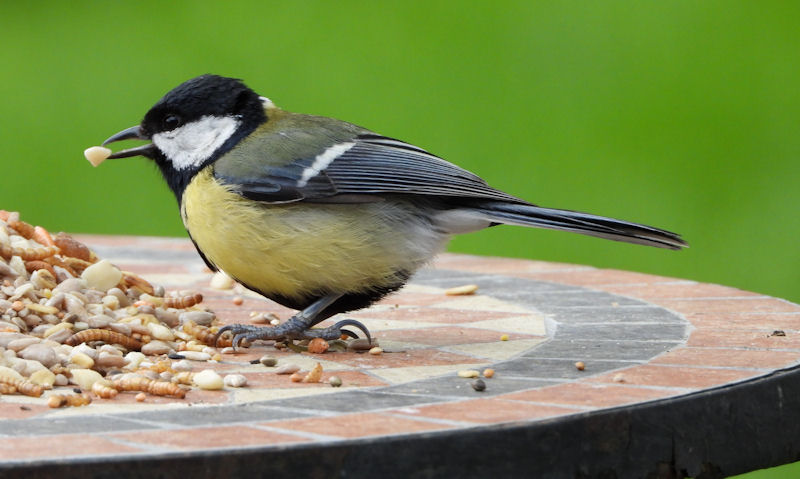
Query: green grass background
{"points": [[680, 114]]}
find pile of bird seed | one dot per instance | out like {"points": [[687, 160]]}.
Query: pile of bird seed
{"points": [[68, 318]]}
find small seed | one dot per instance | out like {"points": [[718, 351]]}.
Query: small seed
{"points": [[468, 373], [462, 290], [268, 361], [296, 377], [478, 385], [208, 379], [234, 380], [287, 369], [140, 397], [238, 301], [504, 337], [376, 351], [488, 372], [96, 154], [619, 378], [318, 346], [335, 381], [580, 366]]}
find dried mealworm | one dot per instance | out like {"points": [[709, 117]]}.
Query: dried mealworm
{"points": [[28, 254], [157, 388], [104, 390], [70, 247], [184, 301], [42, 236], [23, 386], [201, 333], [183, 377], [61, 400], [105, 335], [131, 280], [7, 389], [24, 229]]}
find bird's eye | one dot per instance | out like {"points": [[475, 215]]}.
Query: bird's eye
{"points": [[171, 122]]}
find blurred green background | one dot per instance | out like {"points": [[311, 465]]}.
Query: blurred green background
{"points": [[680, 114]]}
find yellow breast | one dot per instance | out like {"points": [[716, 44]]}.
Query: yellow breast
{"points": [[299, 248]]}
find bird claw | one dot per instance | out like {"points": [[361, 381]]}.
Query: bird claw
{"points": [[292, 329]]}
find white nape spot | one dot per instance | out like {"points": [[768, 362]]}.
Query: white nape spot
{"points": [[266, 102], [193, 143], [322, 161]]}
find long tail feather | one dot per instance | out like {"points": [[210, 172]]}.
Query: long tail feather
{"points": [[583, 223]]}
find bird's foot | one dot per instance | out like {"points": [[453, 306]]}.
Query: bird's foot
{"points": [[293, 329]]}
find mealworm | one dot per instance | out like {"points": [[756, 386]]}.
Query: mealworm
{"points": [[201, 333], [61, 400], [25, 387], [184, 301], [28, 254], [42, 236], [130, 280], [157, 388], [105, 335], [103, 390], [24, 229]]}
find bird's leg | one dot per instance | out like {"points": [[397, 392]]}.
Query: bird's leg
{"points": [[298, 326]]}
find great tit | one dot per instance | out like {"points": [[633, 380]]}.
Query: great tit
{"points": [[317, 214]]}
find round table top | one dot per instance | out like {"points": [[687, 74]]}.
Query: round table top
{"points": [[679, 378]]}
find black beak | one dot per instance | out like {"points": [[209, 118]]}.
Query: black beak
{"points": [[132, 133]]}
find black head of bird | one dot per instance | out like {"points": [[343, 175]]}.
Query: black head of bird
{"points": [[318, 214]]}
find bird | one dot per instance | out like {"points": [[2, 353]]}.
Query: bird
{"points": [[318, 214]]}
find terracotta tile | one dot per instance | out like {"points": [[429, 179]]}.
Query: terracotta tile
{"points": [[11, 410], [766, 322], [497, 265], [675, 377], [598, 277], [446, 336], [742, 358], [677, 290], [489, 410], [739, 305], [208, 437], [714, 338], [66, 445], [358, 425], [144, 269], [590, 395]]}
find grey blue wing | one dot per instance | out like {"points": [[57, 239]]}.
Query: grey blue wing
{"points": [[369, 167]]}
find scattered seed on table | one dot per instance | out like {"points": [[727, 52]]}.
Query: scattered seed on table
{"points": [[335, 381], [468, 373], [238, 301], [488, 372], [580, 366], [268, 361], [619, 378], [504, 337], [462, 290], [478, 385], [376, 351]]}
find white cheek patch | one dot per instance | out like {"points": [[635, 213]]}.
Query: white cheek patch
{"points": [[191, 144], [322, 161]]}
